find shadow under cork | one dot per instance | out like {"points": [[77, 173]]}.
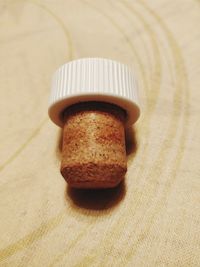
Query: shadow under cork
{"points": [[96, 199], [59, 144], [130, 141], [99, 199]]}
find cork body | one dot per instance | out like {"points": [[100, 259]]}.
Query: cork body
{"points": [[93, 152]]}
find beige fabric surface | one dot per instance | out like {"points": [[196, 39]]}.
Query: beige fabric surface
{"points": [[153, 219]]}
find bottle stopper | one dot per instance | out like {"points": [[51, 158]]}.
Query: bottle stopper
{"points": [[94, 100]]}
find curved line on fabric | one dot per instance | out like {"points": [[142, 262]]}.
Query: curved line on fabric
{"points": [[74, 242], [116, 26], [183, 82], [155, 83], [36, 131], [49, 225], [60, 23], [32, 237], [22, 147]]}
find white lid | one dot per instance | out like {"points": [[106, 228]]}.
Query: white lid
{"points": [[93, 79]]}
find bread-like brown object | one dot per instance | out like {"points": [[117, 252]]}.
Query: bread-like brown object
{"points": [[93, 152]]}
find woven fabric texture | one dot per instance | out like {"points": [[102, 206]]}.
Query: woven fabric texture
{"points": [[153, 218]]}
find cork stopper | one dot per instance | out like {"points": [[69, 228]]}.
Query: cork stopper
{"points": [[93, 152], [94, 100]]}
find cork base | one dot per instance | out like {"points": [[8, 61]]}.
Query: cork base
{"points": [[94, 154], [91, 175]]}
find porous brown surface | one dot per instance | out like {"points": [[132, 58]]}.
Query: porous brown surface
{"points": [[93, 152]]}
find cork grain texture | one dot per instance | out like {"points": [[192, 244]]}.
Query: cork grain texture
{"points": [[93, 148], [153, 217]]}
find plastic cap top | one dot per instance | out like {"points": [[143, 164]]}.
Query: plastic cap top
{"points": [[93, 79]]}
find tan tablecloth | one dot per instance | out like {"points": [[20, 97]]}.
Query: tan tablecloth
{"points": [[153, 219]]}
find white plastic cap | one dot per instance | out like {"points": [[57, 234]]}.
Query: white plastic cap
{"points": [[93, 79]]}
